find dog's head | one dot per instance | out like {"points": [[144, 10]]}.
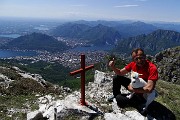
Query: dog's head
{"points": [[136, 82], [134, 76]]}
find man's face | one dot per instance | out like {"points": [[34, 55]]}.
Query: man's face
{"points": [[139, 58]]}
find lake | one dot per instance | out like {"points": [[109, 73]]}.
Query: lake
{"points": [[10, 35], [10, 53]]}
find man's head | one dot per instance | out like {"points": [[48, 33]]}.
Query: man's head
{"points": [[138, 56]]}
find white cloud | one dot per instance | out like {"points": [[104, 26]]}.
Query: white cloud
{"points": [[120, 6], [80, 5]]}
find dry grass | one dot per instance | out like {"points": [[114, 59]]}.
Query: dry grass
{"points": [[169, 96]]}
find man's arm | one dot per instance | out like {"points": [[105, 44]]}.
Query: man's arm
{"points": [[116, 70], [119, 71], [146, 89]]}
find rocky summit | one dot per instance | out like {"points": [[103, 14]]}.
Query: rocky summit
{"points": [[97, 106], [23, 96]]}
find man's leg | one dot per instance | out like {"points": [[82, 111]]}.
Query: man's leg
{"points": [[117, 82], [122, 100], [151, 96], [138, 102]]}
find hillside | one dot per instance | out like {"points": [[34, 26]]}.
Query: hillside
{"points": [[168, 63], [24, 93], [20, 90], [152, 43], [35, 41], [53, 72]]}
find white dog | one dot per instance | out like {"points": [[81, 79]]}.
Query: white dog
{"points": [[137, 82]]}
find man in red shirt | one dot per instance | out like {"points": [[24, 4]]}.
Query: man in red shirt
{"points": [[147, 71]]}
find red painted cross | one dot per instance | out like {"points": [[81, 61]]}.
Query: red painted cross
{"points": [[82, 71]]}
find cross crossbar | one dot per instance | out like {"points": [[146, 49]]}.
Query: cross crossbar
{"points": [[82, 71]]}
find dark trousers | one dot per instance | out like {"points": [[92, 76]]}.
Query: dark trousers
{"points": [[121, 99]]}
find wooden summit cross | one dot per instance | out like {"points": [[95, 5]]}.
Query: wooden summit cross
{"points": [[82, 71]]}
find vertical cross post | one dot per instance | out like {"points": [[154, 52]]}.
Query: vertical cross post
{"points": [[82, 71]]}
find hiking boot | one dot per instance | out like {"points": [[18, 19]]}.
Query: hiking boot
{"points": [[110, 99], [144, 112]]}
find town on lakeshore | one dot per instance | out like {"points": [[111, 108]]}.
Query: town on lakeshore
{"points": [[69, 59]]}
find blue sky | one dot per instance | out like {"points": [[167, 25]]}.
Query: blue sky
{"points": [[148, 10]]}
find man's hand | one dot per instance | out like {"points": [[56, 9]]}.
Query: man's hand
{"points": [[136, 90], [112, 63], [130, 88], [116, 70]]}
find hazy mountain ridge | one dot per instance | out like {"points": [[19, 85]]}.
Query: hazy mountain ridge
{"points": [[125, 28], [168, 26], [152, 43], [100, 32], [70, 30], [175, 26], [103, 22], [36, 41], [135, 28], [102, 35], [97, 35]]}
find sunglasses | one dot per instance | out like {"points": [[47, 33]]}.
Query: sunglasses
{"points": [[139, 58]]}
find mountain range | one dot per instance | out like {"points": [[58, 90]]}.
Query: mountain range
{"points": [[97, 35], [152, 43], [125, 28], [135, 28], [125, 35], [128, 35]]}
